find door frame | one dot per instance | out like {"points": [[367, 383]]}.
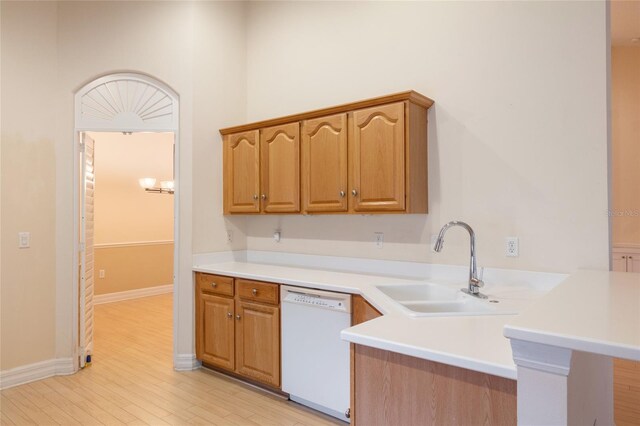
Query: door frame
{"points": [[90, 118]]}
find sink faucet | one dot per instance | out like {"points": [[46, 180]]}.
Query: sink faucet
{"points": [[474, 282]]}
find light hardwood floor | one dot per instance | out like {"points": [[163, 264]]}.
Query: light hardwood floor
{"points": [[132, 381]]}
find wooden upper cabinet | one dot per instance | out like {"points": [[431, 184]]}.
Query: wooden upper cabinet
{"points": [[324, 164], [280, 164], [377, 165], [241, 160], [373, 151]]}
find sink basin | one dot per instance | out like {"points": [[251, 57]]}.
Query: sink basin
{"points": [[429, 299], [414, 292], [458, 307]]}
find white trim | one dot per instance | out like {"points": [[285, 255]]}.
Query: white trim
{"points": [[99, 299], [133, 244], [186, 362], [36, 371]]}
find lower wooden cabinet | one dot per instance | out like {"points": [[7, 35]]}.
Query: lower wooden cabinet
{"points": [[258, 342], [238, 327], [215, 318]]}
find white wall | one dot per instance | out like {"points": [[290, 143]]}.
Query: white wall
{"points": [[196, 48], [517, 135]]}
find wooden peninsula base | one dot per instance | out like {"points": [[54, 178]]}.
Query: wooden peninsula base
{"points": [[396, 389]]}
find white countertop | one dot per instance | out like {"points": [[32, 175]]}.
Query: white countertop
{"points": [[472, 342], [592, 311]]}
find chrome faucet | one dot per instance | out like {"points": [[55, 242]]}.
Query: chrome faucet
{"points": [[475, 283]]}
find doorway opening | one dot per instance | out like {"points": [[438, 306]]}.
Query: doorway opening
{"points": [[113, 107], [132, 231], [624, 175]]}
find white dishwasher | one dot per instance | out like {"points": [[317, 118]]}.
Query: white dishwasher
{"points": [[315, 361]]}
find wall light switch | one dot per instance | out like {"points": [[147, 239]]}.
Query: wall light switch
{"points": [[24, 239], [229, 235]]}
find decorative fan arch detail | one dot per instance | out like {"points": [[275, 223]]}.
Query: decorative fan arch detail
{"points": [[126, 102]]}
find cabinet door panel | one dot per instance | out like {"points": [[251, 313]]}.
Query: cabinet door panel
{"points": [[258, 342], [633, 263], [215, 331], [242, 173], [324, 164], [377, 158], [280, 164], [619, 262]]}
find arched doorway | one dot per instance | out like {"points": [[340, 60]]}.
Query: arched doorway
{"points": [[119, 102]]}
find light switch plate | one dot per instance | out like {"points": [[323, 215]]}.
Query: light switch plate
{"points": [[24, 239]]}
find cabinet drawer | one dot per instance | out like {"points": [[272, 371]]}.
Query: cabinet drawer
{"points": [[258, 291], [215, 284]]}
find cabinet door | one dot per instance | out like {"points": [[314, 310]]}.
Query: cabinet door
{"points": [[215, 330], [258, 342], [619, 262], [242, 172], [633, 263], [324, 164], [376, 158], [280, 164]]}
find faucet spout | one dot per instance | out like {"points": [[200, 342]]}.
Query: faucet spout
{"points": [[475, 283]]}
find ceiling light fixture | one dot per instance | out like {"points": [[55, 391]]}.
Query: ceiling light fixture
{"points": [[148, 183]]}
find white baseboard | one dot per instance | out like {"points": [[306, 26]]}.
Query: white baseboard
{"points": [[186, 362], [132, 294], [36, 371]]}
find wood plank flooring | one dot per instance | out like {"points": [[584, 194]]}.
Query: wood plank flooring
{"points": [[132, 382]]}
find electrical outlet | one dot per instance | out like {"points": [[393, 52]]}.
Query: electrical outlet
{"points": [[101, 273], [433, 239], [24, 239], [229, 235], [277, 235], [512, 248], [378, 237]]}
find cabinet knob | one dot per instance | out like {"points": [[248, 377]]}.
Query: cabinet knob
{"points": [[347, 413], [624, 257], [254, 291], [214, 285], [342, 194], [354, 192], [630, 257], [229, 315], [264, 196], [238, 316], [255, 196]]}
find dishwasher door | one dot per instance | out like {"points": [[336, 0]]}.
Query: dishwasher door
{"points": [[315, 361]]}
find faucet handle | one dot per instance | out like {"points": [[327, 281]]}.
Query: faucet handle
{"points": [[477, 282]]}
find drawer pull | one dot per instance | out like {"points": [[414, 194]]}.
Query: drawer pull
{"points": [[229, 315], [342, 194], [214, 285], [354, 192], [254, 291], [238, 317], [255, 196]]}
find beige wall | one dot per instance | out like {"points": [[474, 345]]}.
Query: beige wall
{"points": [[133, 266], [124, 212], [518, 132], [625, 113], [133, 228], [28, 288], [197, 48]]}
